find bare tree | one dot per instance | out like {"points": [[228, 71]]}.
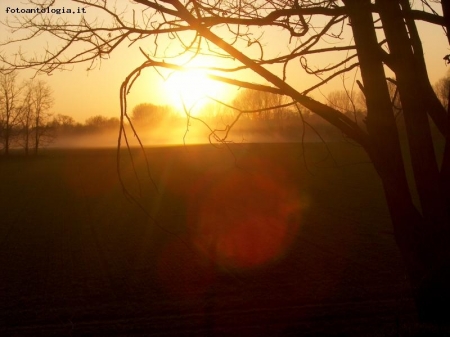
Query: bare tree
{"points": [[351, 104], [343, 30], [394, 96], [101, 123], [442, 89], [64, 121], [27, 108], [266, 105], [147, 114], [42, 101], [10, 111]]}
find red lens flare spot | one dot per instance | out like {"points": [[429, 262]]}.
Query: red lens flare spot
{"points": [[244, 220]]}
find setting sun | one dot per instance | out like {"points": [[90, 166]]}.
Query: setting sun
{"points": [[192, 88]]}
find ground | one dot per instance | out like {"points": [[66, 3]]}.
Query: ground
{"points": [[79, 258]]}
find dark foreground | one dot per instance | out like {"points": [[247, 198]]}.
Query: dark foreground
{"points": [[78, 258]]}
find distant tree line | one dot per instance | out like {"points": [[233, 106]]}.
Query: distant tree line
{"points": [[24, 113], [26, 122], [251, 113], [63, 125], [269, 114], [352, 103]]}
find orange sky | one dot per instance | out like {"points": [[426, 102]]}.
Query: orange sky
{"points": [[81, 94]]}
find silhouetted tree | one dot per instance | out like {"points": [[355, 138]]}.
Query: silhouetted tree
{"points": [[42, 101], [27, 108], [395, 96], [422, 233], [442, 89], [10, 111], [267, 103], [101, 123], [63, 121], [351, 103], [147, 114]]}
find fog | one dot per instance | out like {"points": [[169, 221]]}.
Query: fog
{"points": [[168, 134]]}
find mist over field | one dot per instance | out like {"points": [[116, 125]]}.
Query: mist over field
{"points": [[167, 133]]}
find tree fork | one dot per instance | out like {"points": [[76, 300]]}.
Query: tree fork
{"points": [[415, 106], [407, 221], [434, 107], [433, 291]]}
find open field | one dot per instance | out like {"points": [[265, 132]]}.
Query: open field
{"points": [[253, 247]]}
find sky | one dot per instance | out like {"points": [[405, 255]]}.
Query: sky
{"points": [[81, 94]]}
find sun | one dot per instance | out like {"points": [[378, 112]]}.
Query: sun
{"points": [[191, 88]]}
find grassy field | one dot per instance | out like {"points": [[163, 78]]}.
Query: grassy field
{"points": [[251, 243]]}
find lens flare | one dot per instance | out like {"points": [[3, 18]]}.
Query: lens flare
{"points": [[244, 220]]}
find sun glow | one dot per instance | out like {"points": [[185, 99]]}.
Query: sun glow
{"points": [[191, 88]]}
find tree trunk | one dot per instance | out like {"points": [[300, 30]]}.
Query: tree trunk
{"points": [[7, 137], [446, 12], [415, 106], [410, 230], [433, 287], [7, 126], [27, 136], [36, 136], [434, 107], [445, 168], [382, 128]]}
